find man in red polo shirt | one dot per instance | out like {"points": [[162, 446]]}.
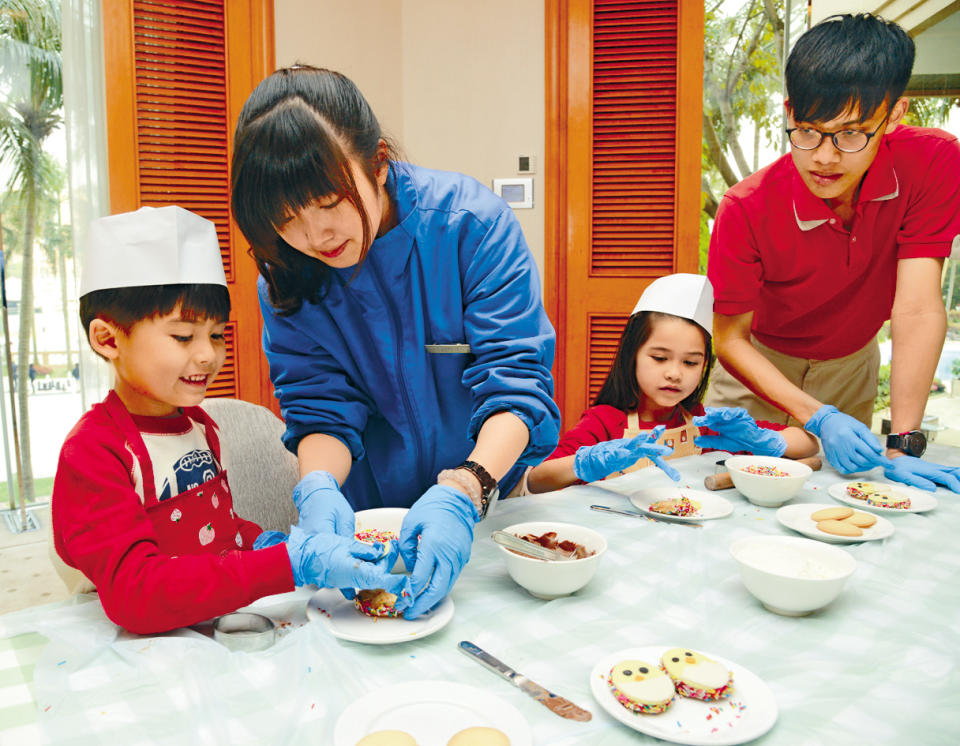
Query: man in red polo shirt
{"points": [[810, 255]]}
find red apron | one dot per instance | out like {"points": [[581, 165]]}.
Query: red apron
{"points": [[198, 521]]}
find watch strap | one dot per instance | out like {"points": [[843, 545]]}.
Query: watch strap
{"points": [[488, 485]]}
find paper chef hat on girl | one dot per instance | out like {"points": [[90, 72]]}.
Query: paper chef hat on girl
{"points": [[683, 295], [152, 246]]}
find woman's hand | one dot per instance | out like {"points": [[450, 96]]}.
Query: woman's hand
{"points": [[596, 462], [435, 541], [738, 431], [322, 507]]}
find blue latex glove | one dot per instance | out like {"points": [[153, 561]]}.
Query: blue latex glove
{"points": [[847, 443], [592, 463], [923, 474], [269, 539], [738, 431], [443, 520], [322, 507], [331, 561]]}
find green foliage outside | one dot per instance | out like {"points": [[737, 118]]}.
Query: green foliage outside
{"points": [[883, 389]]}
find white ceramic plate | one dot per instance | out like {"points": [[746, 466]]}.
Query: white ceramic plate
{"points": [[797, 517], [431, 712], [340, 616], [747, 714], [920, 501], [711, 506]]}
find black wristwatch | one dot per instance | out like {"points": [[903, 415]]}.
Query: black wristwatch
{"points": [[912, 443], [488, 485]]}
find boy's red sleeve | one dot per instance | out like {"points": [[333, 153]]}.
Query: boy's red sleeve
{"points": [[101, 528]]}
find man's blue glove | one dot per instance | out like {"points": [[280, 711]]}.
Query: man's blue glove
{"points": [[322, 507], [738, 431], [923, 474], [442, 520], [847, 443], [331, 561], [596, 462]]}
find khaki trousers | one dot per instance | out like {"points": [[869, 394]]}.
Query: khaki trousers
{"points": [[848, 383]]}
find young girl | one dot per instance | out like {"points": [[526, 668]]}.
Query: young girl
{"points": [[659, 377]]}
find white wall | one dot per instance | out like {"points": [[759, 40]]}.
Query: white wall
{"points": [[459, 85]]}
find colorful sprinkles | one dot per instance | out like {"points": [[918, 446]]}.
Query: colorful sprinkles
{"points": [[683, 507], [765, 471], [374, 535]]}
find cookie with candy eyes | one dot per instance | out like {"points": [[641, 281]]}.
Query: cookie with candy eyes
{"points": [[697, 676], [640, 687]]}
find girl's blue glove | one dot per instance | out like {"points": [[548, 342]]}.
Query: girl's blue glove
{"points": [[592, 463], [737, 431], [435, 540], [923, 474], [847, 443], [322, 507], [331, 561]]}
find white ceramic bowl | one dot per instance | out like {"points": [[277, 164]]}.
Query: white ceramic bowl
{"points": [[550, 579], [383, 519], [790, 575], [765, 490]]}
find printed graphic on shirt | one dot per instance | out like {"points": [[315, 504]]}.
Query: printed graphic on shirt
{"points": [[181, 461]]}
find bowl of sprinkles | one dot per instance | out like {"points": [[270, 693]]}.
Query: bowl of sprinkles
{"points": [[766, 480]]}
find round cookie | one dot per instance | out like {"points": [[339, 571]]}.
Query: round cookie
{"points": [[479, 736], [831, 514], [697, 676], [640, 687], [861, 520], [839, 528], [388, 738], [376, 602]]}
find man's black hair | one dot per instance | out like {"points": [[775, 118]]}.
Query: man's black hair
{"points": [[848, 62]]}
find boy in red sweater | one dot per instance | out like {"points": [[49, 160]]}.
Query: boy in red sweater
{"points": [[141, 504]]}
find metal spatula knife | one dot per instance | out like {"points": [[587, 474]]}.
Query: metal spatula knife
{"points": [[558, 705]]}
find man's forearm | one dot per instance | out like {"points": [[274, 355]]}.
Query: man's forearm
{"points": [[917, 342]]}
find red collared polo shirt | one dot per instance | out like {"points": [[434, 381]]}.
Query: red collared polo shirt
{"points": [[817, 290]]}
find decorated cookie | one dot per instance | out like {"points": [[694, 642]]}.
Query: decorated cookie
{"points": [[697, 676], [861, 520], [373, 535], [835, 514], [882, 499], [683, 506], [860, 490], [376, 602], [640, 687], [839, 528], [479, 736]]}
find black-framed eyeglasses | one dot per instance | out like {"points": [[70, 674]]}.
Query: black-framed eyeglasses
{"points": [[846, 141]]}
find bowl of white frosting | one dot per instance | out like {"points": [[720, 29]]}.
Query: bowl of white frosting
{"points": [[790, 575]]}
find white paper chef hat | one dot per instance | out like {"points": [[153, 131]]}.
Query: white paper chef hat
{"points": [[152, 246], [683, 295]]}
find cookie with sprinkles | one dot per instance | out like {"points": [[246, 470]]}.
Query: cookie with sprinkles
{"points": [[696, 676], [374, 535], [682, 506], [377, 602], [641, 687]]}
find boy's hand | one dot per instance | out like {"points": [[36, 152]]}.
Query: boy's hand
{"points": [[923, 474]]}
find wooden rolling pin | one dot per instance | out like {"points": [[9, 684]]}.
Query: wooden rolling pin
{"points": [[725, 481]]}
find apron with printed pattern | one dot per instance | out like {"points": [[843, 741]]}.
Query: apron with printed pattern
{"points": [[680, 439]]}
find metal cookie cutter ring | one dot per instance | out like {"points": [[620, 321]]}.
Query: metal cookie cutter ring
{"points": [[244, 631]]}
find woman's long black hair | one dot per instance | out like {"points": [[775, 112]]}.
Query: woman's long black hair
{"points": [[621, 390], [293, 143]]}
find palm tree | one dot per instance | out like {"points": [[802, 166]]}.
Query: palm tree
{"points": [[31, 109]]}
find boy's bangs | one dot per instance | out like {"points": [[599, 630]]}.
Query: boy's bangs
{"points": [[844, 97], [198, 302]]}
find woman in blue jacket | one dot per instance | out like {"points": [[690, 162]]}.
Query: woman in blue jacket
{"points": [[403, 324]]}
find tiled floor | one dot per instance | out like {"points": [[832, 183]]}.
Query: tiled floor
{"points": [[27, 577]]}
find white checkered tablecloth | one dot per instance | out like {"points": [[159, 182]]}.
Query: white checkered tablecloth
{"points": [[878, 666]]}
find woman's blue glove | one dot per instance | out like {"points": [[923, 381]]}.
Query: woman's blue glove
{"points": [[737, 431], [923, 474], [331, 561], [442, 520], [596, 462], [322, 507], [847, 443]]}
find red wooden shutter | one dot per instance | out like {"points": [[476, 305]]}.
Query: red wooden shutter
{"points": [[177, 74], [623, 171]]}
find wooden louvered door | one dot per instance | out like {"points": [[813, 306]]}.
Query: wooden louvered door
{"points": [[624, 82], [177, 75]]}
